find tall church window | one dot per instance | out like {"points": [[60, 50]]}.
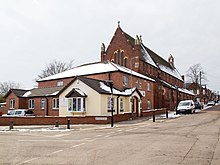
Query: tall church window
{"points": [[119, 57]]}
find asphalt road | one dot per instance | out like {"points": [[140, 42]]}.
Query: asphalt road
{"points": [[190, 139]]}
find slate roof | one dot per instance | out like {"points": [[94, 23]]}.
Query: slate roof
{"points": [[49, 91], [155, 60], [94, 84], [17, 92]]}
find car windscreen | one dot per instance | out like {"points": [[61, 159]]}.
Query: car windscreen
{"points": [[18, 112], [184, 103]]}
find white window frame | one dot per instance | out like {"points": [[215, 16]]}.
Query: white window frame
{"points": [[31, 103], [148, 87], [136, 83], [125, 81], [55, 103], [12, 104], [42, 103], [148, 104], [110, 103], [80, 104], [60, 83], [121, 104]]}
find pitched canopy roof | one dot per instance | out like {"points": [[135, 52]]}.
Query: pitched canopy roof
{"points": [[101, 87], [94, 68]]}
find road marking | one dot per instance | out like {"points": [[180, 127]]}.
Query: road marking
{"points": [[60, 135], [119, 130], [99, 135], [107, 136], [77, 145], [56, 152], [54, 140], [28, 161]]}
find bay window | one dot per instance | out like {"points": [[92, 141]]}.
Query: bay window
{"points": [[76, 104]]}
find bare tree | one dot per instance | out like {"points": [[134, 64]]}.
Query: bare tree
{"points": [[196, 74], [55, 67], [6, 86]]}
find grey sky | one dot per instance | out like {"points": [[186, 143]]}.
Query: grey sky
{"points": [[33, 33]]}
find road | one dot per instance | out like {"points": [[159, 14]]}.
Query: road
{"points": [[188, 140]]}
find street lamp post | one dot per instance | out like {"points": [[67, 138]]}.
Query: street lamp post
{"points": [[110, 84], [132, 108]]}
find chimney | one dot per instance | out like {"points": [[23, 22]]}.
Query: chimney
{"points": [[138, 40], [103, 52], [171, 60]]}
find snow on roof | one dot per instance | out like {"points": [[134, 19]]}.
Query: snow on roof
{"points": [[186, 91], [54, 94], [183, 90], [27, 94], [127, 92], [93, 68], [172, 72], [147, 57], [82, 70], [80, 92], [129, 71]]}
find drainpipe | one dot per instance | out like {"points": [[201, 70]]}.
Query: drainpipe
{"points": [[46, 106], [118, 105]]}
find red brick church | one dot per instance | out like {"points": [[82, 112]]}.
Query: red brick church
{"points": [[151, 80], [132, 53]]}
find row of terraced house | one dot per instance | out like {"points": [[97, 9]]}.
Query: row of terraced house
{"points": [[142, 80]]}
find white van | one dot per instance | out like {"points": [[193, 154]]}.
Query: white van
{"points": [[186, 106]]}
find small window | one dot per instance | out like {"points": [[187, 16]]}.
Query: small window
{"points": [[110, 103], [31, 104], [148, 104], [125, 81], [148, 87], [136, 83], [55, 103], [60, 83], [42, 103], [126, 62], [12, 104], [140, 85], [121, 105]]}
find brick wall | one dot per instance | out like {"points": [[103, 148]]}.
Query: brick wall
{"points": [[53, 83], [5, 121]]}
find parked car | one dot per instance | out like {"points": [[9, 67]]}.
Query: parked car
{"points": [[186, 106], [198, 105], [211, 103], [19, 112]]}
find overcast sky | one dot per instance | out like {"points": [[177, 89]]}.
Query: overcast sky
{"points": [[36, 32]]}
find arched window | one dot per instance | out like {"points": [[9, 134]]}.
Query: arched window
{"points": [[122, 58], [115, 56], [119, 57], [125, 61]]}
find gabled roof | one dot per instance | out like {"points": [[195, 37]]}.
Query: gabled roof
{"points": [[94, 68], [40, 92], [17, 92], [153, 59], [101, 87], [75, 92]]}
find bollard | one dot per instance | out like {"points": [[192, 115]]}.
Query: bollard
{"points": [[167, 114], [56, 124], [153, 116], [68, 124], [11, 125]]}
